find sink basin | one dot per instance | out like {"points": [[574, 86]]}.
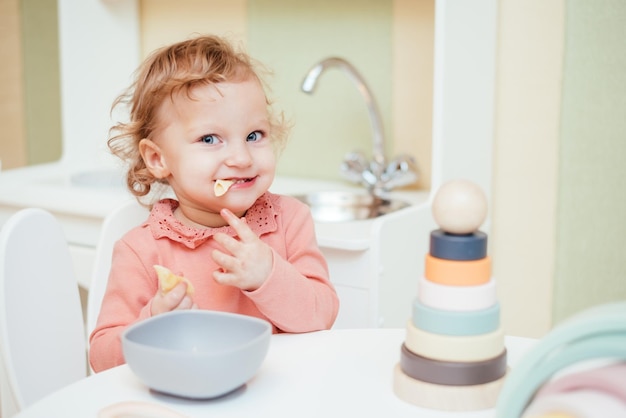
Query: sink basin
{"points": [[341, 206]]}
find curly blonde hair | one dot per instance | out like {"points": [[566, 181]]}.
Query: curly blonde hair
{"points": [[167, 71]]}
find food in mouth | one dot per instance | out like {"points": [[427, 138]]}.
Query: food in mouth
{"points": [[222, 186], [168, 280]]}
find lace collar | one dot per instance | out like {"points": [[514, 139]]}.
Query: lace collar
{"points": [[261, 218]]}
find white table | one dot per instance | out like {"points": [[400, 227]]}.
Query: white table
{"points": [[337, 373]]}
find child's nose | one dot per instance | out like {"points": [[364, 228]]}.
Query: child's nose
{"points": [[238, 155]]}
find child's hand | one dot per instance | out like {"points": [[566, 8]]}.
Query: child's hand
{"points": [[177, 298], [250, 260]]}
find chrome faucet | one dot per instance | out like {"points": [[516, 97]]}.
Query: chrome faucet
{"points": [[378, 175]]}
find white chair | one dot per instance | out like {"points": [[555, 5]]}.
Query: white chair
{"points": [[125, 217], [42, 333]]}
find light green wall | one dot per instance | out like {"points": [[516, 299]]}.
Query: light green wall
{"points": [[591, 216], [290, 37], [42, 96]]}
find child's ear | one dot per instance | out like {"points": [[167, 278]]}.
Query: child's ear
{"points": [[153, 158]]}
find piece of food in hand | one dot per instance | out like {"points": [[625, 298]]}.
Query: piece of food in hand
{"points": [[169, 280], [222, 186]]}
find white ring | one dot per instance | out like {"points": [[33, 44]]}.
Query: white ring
{"points": [[454, 348], [456, 298], [446, 397]]}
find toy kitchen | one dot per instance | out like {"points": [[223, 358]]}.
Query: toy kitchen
{"points": [[375, 262]]}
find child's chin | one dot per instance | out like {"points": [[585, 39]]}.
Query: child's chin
{"points": [[239, 208]]}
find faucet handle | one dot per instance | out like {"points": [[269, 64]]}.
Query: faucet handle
{"points": [[401, 171], [356, 168], [355, 161], [403, 163]]}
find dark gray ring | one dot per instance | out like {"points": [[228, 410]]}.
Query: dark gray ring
{"points": [[452, 373], [458, 247]]}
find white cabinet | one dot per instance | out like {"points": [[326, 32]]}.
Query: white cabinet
{"points": [[350, 273], [80, 209], [375, 265]]}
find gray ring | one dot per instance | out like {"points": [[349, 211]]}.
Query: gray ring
{"points": [[458, 247], [450, 372]]}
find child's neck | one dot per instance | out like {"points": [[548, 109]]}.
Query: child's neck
{"points": [[199, 219]]}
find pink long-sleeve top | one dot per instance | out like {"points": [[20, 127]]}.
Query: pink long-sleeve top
{"points": [[296, 297]]}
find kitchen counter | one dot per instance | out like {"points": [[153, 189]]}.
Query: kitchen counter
{"points": [[82, 202]]}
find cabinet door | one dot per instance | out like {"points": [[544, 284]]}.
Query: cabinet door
{"points": [[351, 274]]}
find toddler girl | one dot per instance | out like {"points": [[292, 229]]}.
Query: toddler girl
{"points": [[201, 124]]}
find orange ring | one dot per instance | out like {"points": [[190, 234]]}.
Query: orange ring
{"points": [[457, 273]]}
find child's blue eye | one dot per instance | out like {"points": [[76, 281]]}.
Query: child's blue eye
{"points": [[208, 139], [254, 136]]}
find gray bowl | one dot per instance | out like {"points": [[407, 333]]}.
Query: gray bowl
{"points": [[196, 353]]}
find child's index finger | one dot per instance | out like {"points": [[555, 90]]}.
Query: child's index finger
{"points": [[240, 227]]}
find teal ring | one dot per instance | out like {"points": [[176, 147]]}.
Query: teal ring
{"points": [[598, 332], [458, 323]]}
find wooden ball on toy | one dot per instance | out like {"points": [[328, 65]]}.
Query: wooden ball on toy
{"points": [[459, 207]]}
